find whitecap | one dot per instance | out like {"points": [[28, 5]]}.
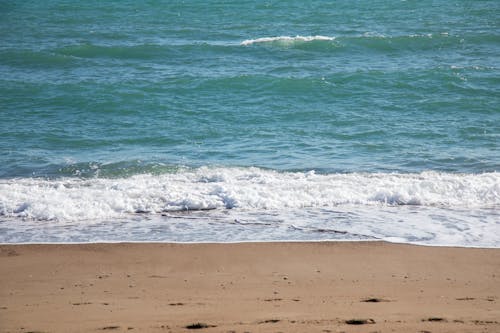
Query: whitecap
{"points": [[73, 199], [286, 39]]}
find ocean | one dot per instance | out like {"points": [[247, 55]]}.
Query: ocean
{"points": [[233, 121]]}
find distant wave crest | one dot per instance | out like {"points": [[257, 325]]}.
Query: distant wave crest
{"points": [[286, 39]]}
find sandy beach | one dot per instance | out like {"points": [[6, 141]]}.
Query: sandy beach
{"points": [[249, 287]]}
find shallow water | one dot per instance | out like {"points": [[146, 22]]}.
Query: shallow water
{"points": [[377, 120]]}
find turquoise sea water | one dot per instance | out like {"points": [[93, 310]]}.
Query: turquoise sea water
{"points": [[250, 120]]}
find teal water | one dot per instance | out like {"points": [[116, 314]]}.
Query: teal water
{"points": [[98, 91]]}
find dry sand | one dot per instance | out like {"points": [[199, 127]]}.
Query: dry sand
{"points": [[250, 287]]}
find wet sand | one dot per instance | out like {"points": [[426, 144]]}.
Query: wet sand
{"points": [[249, 287]]}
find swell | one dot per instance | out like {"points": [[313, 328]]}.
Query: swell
{"points": [[374, 42], [65, 56], [36, 59], [416, 81], [165, 51]]}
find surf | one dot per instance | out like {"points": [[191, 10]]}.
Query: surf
{"points": [[205, 188]]}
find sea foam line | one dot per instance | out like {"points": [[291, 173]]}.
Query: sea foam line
{"points": [[287, 39], [73, 199]]}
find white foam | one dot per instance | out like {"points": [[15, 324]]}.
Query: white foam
{"points": [[242, 189], [286, 39]]}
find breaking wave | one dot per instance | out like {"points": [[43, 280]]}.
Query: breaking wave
{"points": [[74, 199], [286, 39]]}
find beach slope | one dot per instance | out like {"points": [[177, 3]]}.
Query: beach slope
{"points": [[249, 287]]}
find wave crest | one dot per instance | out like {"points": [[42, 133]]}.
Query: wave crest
{"points": [[73, 199], [286, 39]]}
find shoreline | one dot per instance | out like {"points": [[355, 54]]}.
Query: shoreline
{"points": [[326, 286], [256, 242]]}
